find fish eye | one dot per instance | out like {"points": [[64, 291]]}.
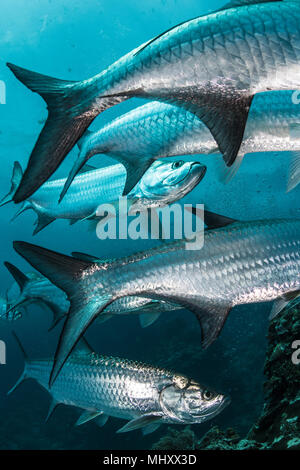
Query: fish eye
{"points": [[207, 395], [177, 164]]}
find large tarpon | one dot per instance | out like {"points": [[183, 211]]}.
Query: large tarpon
{"points": [[104, 386], [212, 65], [158, 130], [244, 262], [37, 289], [162, 184]]}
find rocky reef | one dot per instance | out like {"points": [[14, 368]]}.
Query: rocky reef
{"points": [[278, 426]]}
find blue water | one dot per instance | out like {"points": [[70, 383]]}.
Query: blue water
{"points": [[75, 40]]}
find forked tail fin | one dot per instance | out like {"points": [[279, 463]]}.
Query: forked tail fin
{"points": [[67, 273], [71, 111]]}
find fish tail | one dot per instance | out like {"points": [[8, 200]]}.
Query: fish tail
{"points": [[15, 182], [70, 112], [67, 273], [24, 374]]}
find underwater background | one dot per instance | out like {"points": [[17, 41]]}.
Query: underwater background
{"points": [[76, 40]]}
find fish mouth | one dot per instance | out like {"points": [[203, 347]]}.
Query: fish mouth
{"points": [[198, 166], [216, 409]]}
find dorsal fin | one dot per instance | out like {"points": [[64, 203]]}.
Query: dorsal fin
{"points": [[86, 257], [227, 6], [18, 276]]}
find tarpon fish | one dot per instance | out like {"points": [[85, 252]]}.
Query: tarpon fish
{"points": [[144, 395], [163, 183], [240, 263], [37, 289], [158, 130], [212, 65]]}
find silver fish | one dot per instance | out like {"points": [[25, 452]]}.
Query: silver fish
{"points": [[37, 289], [163, 183], [212, 65], [241, 263], [158, 130], [106, 386]]}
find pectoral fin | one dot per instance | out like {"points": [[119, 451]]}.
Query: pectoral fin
{"points": [[140, 422], [87, 416]]}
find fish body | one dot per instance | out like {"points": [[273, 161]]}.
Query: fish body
{"points": [[212, 65], [163, 183], [145, 395], [242, 263], [159, 130]]}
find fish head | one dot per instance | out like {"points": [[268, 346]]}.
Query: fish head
{"points": [[166, 182], [186, 401]]}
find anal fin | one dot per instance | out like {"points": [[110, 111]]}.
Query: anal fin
{"points": [[42, 222], [224, 110], [212, 320]]}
